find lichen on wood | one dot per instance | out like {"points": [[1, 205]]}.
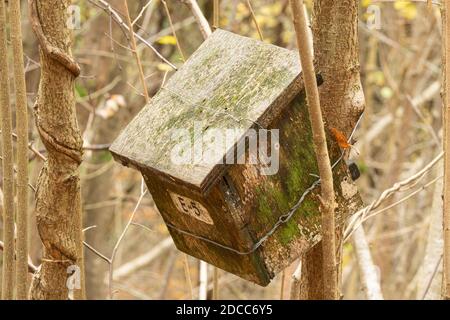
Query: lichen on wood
{"points": [[229, 82]]}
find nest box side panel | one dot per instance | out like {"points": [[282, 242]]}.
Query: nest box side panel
{"points": [[265, 198], [211, 218]]}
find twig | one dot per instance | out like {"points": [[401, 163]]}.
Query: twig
{"points": [[368, 271], [187, 274], [357, 218], [252, 13], [203, 277], [116, 247], [283, 279], [15, 170], [31, 147], [435, 270], [31, 267], [446, 126], [97, 147], [216, 14], [216, 284], [105, 258], [203, 24], [322, 155], [412, 194], [100, 92], [169, 270], [177, 26], [433, 133], [135, 52], [136, 224], [141, 12], [174, 33], [143, 260], [116, 17]]}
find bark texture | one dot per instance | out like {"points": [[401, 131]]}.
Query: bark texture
{"points": [[22, 151], [335, 35], [58, 209], [8, 173]]}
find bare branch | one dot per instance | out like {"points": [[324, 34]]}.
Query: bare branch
{"points": [[249, 5], [203, 24], [322, 156], [368, 271], [116, 17]]}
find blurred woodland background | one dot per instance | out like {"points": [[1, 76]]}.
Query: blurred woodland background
{"points": [[401, 133]]}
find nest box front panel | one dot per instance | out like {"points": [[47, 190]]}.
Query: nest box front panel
{"points": [[185, 210]]}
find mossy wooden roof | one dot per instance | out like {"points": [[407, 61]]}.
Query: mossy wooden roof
{"points": [[229, 82]]}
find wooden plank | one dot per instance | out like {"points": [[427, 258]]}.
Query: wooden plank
{"points": [[228, 83]]}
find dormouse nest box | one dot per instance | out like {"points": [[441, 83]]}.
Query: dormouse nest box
{"points": [[225, 148]]}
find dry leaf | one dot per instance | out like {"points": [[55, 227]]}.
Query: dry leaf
{"points": [[340, 138]]}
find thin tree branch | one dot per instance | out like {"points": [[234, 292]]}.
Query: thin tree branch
{"points": [[320, 144], [368, 271], [216, 14], [116, 17], [174, 33], [446, 126], [141, 12], [357, 218], [135, 52], [203, 281], [252, 13], [203, 24], [31, 267], [119, 241], [187, 275]]}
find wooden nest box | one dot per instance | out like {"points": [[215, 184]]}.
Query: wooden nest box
{"points": [[250, 213]]}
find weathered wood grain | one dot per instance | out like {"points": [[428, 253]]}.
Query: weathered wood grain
{"points": [[229, 82]]}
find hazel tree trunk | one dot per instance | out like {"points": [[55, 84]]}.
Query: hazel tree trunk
{"points": [[58, 210], [336, 53], [22, 151], [8, 274]]}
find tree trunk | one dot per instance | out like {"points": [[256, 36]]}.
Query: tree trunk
{"points": [[335, 35], [446, 126], [22, 151], [336, 51], [58, 208], [8, 173]]}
